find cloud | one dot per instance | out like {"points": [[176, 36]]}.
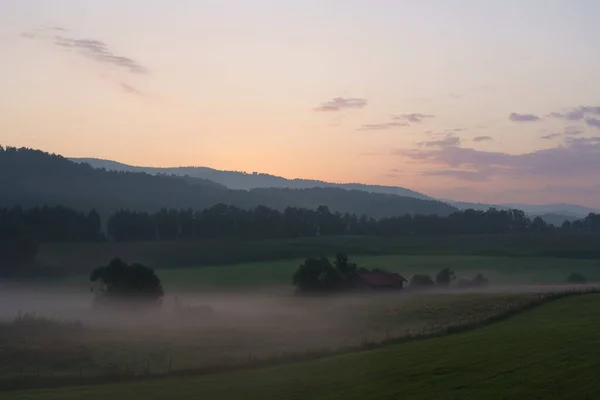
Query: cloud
{"points": [[92, 49], [515, 117], [482, 139], [341, 103], [414, 117], [448, 141], [593, 122], [375, 127], [577, 156], [573, 115], [572, 131], [131, 89], [99, 51], [551, 136], [577, 113], [464, 175]]}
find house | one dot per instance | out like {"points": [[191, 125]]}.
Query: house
{"points": [[381, 280]]}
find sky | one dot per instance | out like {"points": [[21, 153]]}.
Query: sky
{"points": [[493, 101]]}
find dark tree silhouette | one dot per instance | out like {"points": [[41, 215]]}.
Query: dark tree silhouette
{"points": [[119, 282], [421, 281], [445, 277], [576, 278]]}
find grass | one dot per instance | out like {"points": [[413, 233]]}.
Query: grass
{"points": [[551, 352], [277, 274], [75, 257], [243, 327]]}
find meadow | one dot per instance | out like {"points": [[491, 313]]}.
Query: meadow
{"points": [[550, 352], [241, 328]]}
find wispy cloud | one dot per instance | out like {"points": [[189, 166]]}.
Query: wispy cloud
{"points": [[465, 175], [551, 136], [516, 117], [577, 156], [577, 113], [376, 127], [414, 117], [482, 139], [131, 89], [92, 49], [342, 103], [593, 122], [99, 51], [572, 131], [448, 141]]}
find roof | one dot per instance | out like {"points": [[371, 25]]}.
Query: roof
{"points": [[382, 279]]}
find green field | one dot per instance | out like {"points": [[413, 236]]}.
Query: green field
{"points": [[552, 352], [77, 257], [277, 275]]}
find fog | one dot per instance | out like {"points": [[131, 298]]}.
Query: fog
{"points": [[216, 328]]}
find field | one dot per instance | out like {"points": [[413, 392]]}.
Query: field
{"points": [[275, 276], [242, 328], [77, 257], [253, 317], [551, 352]]}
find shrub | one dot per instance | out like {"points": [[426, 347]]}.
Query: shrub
{"points": [[576, 278], [445, 277], [118, 282], [421, 281]]}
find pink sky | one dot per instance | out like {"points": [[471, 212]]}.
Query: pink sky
{"points": [[468, 100]]}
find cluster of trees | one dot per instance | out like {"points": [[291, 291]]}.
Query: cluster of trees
{"points": [[21, 231], [223, 221], [321, 275]]}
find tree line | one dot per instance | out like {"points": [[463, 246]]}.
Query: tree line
{"points": [[230, 222]]}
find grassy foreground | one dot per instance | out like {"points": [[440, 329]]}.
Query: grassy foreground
{"points": [[552, 352]]}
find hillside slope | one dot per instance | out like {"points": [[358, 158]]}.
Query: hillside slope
{"points": [[34, 178], [246, 181], [552, 352]]}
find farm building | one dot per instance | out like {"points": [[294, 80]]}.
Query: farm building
{"points": [[381, 280]]}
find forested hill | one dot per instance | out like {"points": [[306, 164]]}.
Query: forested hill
{"points": [[248, 181], [34, 178]]}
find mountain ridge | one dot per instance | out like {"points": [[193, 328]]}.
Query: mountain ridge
{"points": [[248, 181]]}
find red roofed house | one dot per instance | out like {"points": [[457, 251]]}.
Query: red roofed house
{"points": [[381, 280]]}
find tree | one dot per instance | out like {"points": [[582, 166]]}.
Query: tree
{"points": [[576, 278], [421, 281], [120, 282], [317, 275], [445, 277], [347, 269]]}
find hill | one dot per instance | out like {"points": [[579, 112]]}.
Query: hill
{"points": [[551, 352], [552, 213], [247, 181], [34, 178]]}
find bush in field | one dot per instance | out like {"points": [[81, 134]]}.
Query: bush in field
{"points": [[445, 277], [576, 278], [421, 281], [320, 275], [478, 281], [120, 282]]}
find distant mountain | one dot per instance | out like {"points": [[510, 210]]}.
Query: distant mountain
{"points": [[247, 181], [35, 178], [571, 210], [552, 213]]}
